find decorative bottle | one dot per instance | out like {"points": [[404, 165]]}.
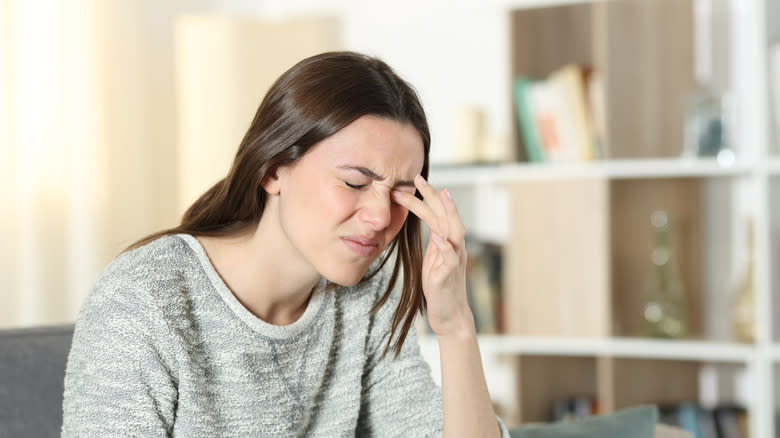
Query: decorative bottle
{"points": [[743, 300], [664, 309]]}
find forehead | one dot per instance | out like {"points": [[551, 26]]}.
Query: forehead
{"points": [[383, 145]]}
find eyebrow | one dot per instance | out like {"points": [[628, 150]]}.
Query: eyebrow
{"points": [[373, 175]]}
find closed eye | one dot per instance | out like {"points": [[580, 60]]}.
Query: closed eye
{"points": [[355, 186]]}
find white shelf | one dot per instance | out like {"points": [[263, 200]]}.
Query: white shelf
{"points": [[612, 169], [773, 165], [286, 7], [639, 348], [774, 353], [532, 4]]}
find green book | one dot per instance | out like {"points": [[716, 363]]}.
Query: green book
{"points": [[525, 119]]}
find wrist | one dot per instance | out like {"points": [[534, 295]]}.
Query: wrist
{"points": [[461, 328]]}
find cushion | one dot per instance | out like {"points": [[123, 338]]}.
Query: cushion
{"points": [[636, 422]]}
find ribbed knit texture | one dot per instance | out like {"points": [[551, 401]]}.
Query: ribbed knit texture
{"points": [[163, 348]]}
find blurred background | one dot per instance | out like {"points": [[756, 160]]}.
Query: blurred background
{"points": [[116, 113], [615, 162]]}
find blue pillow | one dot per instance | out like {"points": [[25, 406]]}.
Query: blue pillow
{"points": [[637, 422]]}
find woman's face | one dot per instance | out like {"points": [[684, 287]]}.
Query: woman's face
{"points": [[335, 207]]}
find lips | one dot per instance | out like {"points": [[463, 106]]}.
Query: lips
{"points": [[362, 246]]}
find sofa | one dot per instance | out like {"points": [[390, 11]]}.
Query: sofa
{"points": [[32, 371]]}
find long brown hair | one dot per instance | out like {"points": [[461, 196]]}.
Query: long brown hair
{"points": [[311, 101]]}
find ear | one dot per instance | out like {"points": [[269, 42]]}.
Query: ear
{"points": [[272, 181]]}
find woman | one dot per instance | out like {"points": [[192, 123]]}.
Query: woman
{"points": [[271, 309]]}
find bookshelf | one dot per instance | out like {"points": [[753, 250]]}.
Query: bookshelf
{"points": [[601, 352]]}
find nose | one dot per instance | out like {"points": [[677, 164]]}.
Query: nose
{"points": [[376, 211]]}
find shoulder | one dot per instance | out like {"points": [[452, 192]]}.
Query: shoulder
{"points": [[144, 276], [158, 255]]}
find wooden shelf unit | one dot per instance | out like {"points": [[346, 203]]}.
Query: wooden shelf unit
{"points": [[577, 235]]}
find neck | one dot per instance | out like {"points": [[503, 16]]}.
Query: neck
{"points": [[252, 265]]}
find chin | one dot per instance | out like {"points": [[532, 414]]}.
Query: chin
{"points": [[345, 277]]}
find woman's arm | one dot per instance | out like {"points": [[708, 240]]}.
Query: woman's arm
{"points": [[117, 381], [467, 409]]}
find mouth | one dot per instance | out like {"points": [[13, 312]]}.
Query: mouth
{"points": [[360, 245]]}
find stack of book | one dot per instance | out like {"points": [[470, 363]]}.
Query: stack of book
{"points": [[722, 421], [574, 408], [561, 117], [483, 287]]}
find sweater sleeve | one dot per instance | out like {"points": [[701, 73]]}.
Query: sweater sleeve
{"points": [[118, 380]]}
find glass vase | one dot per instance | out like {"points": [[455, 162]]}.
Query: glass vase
{"points": [[664, 308]]}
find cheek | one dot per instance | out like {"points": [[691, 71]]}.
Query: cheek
{"points": [[339, 203]]}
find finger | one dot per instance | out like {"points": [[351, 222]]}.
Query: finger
{"points": [[431, 257], [457, 231], [432, 250], [432, 198], [417, 206], [446, 250]]}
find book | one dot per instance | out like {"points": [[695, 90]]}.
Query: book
{"points": [[597, 106], [554, 116], [526, 124], [707, 424], [573, 409], [688, 419], [483, 275], [731, 421], [721, 421], [572, 112]]}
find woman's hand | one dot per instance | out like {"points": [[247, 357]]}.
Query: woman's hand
{"points": [[444, 263], [465, 399]]}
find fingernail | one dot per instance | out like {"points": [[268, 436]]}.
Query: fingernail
{"points": [[420, 180], [447, 194], [437, 238]]}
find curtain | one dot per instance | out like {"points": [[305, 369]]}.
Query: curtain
{"points": [[87, 133], [47, 161], [114, 115]]}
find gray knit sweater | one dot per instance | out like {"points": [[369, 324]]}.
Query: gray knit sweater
{"points": [[163, 348]]}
